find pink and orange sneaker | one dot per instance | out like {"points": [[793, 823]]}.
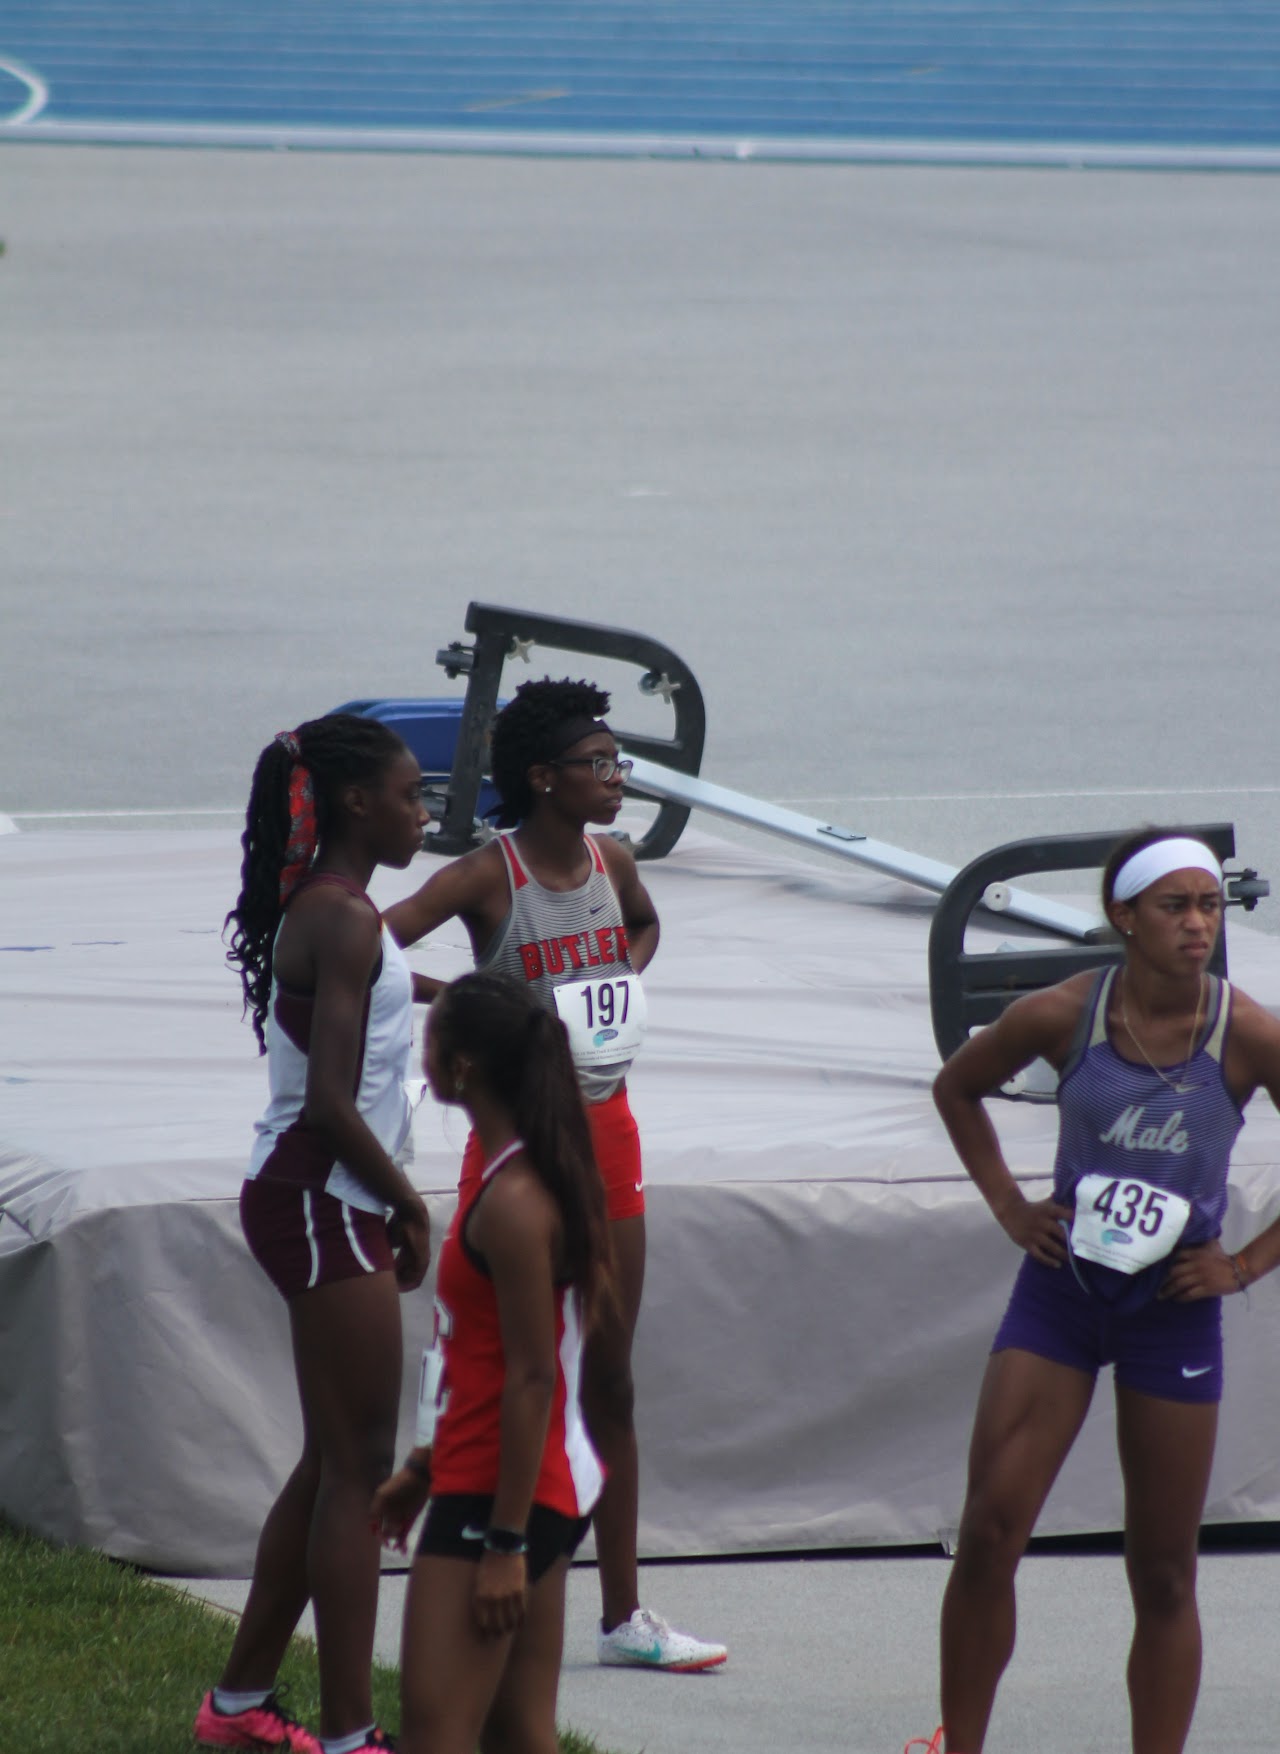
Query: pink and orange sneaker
{"points": [[935, 1744], [263, 1727]]}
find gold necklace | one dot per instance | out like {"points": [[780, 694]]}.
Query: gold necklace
{"points": [[1178, 1088]]}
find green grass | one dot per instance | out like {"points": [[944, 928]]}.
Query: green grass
{"points": [[96, 1658]]}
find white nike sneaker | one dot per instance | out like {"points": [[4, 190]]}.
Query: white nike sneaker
{"points": [[647, 1642]]}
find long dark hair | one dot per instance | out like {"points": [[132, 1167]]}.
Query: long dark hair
{"points": [[313, 763], [521, 1053]]}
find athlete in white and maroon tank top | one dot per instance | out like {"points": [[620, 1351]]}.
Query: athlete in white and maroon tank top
{"points": [[286, 1148], [330, 1001]]}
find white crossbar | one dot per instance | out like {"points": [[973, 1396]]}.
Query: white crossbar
{"points": [[656, 781]]}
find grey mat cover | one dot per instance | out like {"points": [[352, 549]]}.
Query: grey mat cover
{"points": [[823, 1282]]}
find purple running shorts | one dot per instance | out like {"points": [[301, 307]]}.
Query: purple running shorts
{"points": [[1171, 1350]]}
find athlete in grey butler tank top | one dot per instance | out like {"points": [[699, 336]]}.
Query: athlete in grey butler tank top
{"points": [[1123, 1265], [529, 904]]}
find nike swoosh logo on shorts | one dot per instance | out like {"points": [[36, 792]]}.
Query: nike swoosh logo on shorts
{"points": [[472, 1533], [600, 909], [1202, 1370]]}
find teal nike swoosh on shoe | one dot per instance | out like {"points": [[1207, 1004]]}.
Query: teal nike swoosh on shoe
{"points": [[647, 1642]]}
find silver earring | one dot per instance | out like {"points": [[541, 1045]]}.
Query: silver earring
{"points": [[459, 1087], [546, 788]]}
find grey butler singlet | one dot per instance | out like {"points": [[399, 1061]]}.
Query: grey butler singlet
{"points": [[553, 936]]}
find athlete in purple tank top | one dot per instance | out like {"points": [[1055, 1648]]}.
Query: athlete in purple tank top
{"points": [[1123, 1265]]}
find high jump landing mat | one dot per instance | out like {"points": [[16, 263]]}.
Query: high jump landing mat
{"points": [[823, 1281]]}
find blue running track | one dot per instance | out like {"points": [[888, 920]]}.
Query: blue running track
{"points": [[1187, 75]]}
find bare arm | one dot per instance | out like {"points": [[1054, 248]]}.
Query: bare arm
{"points": [[398, 1501], [1038, 1026], [472, 889], [639, 915], [1252, 1059]]}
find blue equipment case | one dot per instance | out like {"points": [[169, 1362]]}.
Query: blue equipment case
{"points": [[430, 728]]}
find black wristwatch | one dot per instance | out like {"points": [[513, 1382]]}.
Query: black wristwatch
{"points": [[505, 1541]]}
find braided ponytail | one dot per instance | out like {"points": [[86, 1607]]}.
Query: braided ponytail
{"points": [[293, 805]]}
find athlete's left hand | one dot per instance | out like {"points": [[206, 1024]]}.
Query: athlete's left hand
{"points": [[500, 1593], [410, 1232], [396, 1505], [1199, 1272]]}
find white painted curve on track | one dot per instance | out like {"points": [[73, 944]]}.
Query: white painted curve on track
{"points": [[37, 94]]}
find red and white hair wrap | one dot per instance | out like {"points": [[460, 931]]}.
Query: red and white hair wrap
{"points": [[1161, 859], [301, 847]]}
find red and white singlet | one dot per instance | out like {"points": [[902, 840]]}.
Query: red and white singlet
{"points": [[464, 1374]]}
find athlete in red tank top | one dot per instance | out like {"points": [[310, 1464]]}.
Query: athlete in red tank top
{"points": [[508, 1463], [466, 1451]]}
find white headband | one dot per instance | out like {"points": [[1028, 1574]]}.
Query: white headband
{"points": [[1160, 859]]}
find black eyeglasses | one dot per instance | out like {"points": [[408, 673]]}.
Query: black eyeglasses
{"points": [[604, 767]]}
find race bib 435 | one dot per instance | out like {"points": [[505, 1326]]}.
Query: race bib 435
{"points": [[1126, 1223]]}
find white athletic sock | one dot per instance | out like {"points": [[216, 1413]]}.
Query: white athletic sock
{"points": [[229, 1703], [346, 1744]]}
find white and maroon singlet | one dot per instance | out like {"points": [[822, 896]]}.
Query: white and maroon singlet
{"points": [[286, 1149]]}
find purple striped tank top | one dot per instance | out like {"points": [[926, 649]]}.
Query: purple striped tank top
{"points": [[1119, 1119]]}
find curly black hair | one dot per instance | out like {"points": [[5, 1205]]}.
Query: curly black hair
{"points": [[340, 749], [530, 729]]}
